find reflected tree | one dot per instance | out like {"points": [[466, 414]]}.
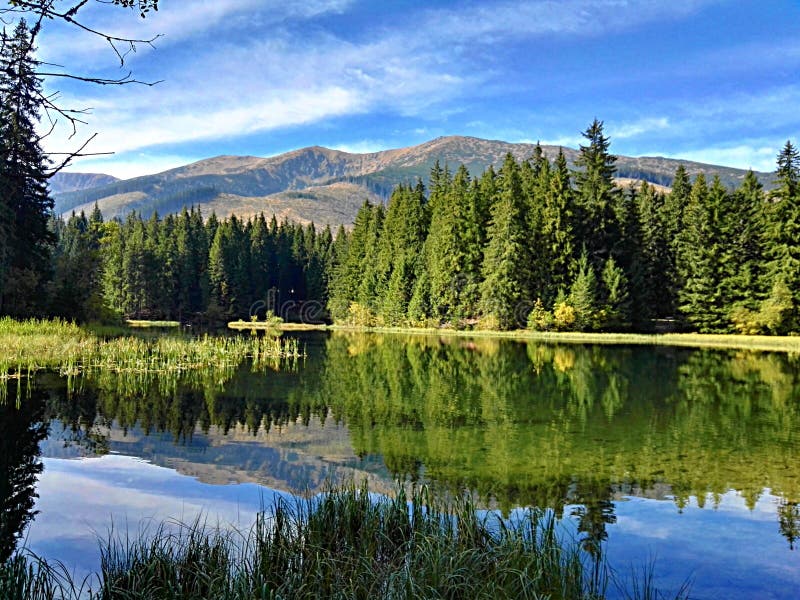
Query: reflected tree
{"points": [[21, 431], [789, 520], [594, 514]]}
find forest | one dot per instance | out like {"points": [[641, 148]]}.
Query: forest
{"points": [[534, 244]]}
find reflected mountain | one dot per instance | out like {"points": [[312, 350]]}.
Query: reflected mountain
{"points": [[569, 427]]}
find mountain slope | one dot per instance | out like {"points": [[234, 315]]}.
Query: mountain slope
{"points": [[327, 186], [63, 182]]}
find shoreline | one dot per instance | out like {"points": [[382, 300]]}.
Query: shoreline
{"points": [[731, 341]]}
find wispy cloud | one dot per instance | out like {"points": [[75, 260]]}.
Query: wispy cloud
{"points": [[756, 156], [238, 67], [637, 128], [362, 147]]}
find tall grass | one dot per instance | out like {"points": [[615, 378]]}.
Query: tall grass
{"points": [[343, 544], [27, 346]]}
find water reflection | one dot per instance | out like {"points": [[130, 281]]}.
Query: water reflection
{"points": [[21, 430], [573, 428]]}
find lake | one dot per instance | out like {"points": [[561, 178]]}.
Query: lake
{"points": [[684, 459]]}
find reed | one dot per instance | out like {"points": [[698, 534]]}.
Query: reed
{"points": [[345, 543], [28, 346]]}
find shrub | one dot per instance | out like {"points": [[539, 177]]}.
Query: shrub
{"points": [[564, 316], [540, 318]]}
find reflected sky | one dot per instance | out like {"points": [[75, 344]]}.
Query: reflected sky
{"points": [[638, 449], [720, 546], [80, 500]]}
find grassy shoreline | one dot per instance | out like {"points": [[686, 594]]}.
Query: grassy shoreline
{"points": [[345, 543], [269, 326], [694, 340], [28, 346]]}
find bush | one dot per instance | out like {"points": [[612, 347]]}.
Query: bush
{"points": [[360, 315], [540, 318], [564, 316]]}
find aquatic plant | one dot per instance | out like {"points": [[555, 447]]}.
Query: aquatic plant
{"points": [[28, 346], [345, 543]]}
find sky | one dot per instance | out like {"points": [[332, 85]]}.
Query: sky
{"points": [[715, 81]]}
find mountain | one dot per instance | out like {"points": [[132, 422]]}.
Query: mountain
{"points": [[327, 186], [62, 182]]}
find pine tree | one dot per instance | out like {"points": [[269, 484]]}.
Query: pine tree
{"points": [[783, 239], [653, 295], [451, 248], [616, 303], [558, 231], [596, 195], [745, 252], [701, 296], [505, 295], [583, 295], [24, 200], [346, 278]]}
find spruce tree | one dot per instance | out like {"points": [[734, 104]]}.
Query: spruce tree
{"points": [[583, 295], [558, 230], [745, 252], [24, 200], [505, 290], [616, 302], [653, 296], [701, 295], [783, 239], [596, 195], [346, 278], [450, 248]]}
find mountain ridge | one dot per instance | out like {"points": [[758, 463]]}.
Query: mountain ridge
{"points": [[334, 182]]}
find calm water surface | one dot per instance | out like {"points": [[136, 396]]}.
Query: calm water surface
{"points": [[688, 458]]}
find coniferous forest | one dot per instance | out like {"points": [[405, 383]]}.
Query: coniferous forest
{"points": [[535, 244]]}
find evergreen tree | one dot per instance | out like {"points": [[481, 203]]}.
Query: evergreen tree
{"points": [[506, 268], [24, 200], [671, 218], [370, 281], [701, 296], [745, 253], [402, 244], [788, 171], [616, 304], [558, 231], [450, 247], [74, 264], [783, 239], [583, 295], [653, 294], [346, 279], [596, 195]]}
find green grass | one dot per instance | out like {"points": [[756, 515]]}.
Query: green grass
{"points": [[146, 324], [694, 340], [267, 326], [343, 544], [28, 346]]}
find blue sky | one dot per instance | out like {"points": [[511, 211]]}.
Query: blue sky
{"points": [[714, 81]]}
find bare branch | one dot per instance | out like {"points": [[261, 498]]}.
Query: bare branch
{"points": [[72, 155], [101, 80]]}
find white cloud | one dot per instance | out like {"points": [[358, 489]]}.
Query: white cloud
{"points": [[131, 164], [172, 24], [759, 157], [290, 76], [566, 141], [636, 128], [362, 147]]}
